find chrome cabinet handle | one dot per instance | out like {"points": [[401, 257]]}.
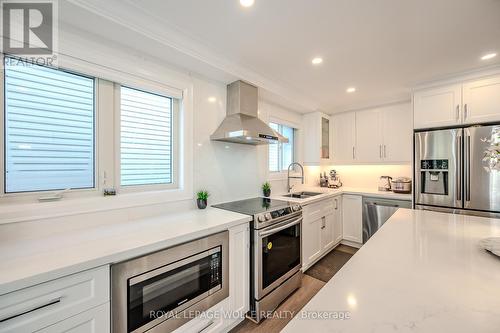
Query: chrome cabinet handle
{"points": [[336, 204], [32, 309], [385, 155], [466, 111], [458, 112], [353, 153]]}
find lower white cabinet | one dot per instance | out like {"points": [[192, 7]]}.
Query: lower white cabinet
{"points": [[321, 230], [96, 320], [352, 218], [34, 308]]}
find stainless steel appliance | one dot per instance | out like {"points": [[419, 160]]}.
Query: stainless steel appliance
{"points": [[275, 253], [401, 185], [242, 124], [384, 183], [377, 211], [157, 292], [452, 173]]}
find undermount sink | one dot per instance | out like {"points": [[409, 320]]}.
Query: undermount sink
{"points": [[301, 195]]}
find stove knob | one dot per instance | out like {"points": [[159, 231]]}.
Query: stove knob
{"points": [[261, 218], [296, 208], [268, 216]]}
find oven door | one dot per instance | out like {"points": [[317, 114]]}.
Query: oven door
{"points": [[277, 253]]}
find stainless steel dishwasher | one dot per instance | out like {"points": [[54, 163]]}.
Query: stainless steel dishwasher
{"points": [[377, 211]]}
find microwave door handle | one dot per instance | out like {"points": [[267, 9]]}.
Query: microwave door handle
{"points": [[274, 230]]}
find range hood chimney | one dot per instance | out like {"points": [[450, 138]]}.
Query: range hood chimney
{"points": [[242, 124]]}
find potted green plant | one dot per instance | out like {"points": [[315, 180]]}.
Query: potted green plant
{"points": [[266, 189], [201, 199]]}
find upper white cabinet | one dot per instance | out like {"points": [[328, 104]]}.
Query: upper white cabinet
{"points": [[343, 131], [316, 138], [377, 135], [437, 107], [470, 102], [396, 123], [481, 101], [369, 139]]}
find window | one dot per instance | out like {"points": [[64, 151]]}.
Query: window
{"points": [[49, 129], [281, 155], [146, 138]]}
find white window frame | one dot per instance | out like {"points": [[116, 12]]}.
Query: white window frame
{"points": [[18, 207], [176, 104], [273, 175], [30, 196]]}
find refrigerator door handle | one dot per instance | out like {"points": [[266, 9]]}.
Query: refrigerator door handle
{"points": [[459, 172], [467, 165]]}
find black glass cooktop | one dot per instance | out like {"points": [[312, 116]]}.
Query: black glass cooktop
{"points": [[253, 206]]}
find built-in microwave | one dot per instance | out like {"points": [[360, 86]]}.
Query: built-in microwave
{"points": [[161, 291]]}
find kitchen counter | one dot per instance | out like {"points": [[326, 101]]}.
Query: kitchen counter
{"points": [[421, 272], [26, 259], [330, 192]]}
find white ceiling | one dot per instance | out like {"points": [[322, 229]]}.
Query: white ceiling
{"points": [[382, 47]]}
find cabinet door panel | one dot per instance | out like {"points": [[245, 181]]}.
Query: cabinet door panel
{"points": [[327, 232], [337, 222], [397, 132], [344, 137], [482, 101], [368, 136], [239, 273], [352, 218], [311, 240], [437, 107], [96, 320]]}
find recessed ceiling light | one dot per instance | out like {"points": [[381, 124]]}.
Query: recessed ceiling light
{"points": [[212, 99], [317, 61], [488, 56], [351, 89], [247, 3]]}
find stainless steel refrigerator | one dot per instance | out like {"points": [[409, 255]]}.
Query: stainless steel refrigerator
{"points": [[456, 170]]}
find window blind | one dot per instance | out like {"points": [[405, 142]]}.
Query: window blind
{"points": [[49, 129], [146, 138]]}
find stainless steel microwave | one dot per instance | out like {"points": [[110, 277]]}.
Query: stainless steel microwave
{"points": [[161, 291]]}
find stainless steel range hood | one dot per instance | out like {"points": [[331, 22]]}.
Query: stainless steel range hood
{"points": [[242, 124]]}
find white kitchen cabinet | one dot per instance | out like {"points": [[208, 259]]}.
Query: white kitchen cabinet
{"points": [[311, 239], [337, 221], [352, 218], [39, 306], [320, 230], [369, 139], [239, 268], [437, 107], [481, 101], [397, 132], [317, 138], [96, 320], [343, 132]]}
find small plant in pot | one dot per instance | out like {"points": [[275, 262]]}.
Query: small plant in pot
{"points": [[201, 199], [266, 189]]}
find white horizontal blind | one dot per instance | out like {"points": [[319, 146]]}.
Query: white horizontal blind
{"points": [[146, 138], [281, 155], [49, 129]]}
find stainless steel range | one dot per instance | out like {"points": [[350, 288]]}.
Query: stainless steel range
{"points": [[275, 254]]}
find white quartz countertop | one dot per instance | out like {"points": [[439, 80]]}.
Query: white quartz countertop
{"points": [[421, 272], [330, 192], [26, 259]]}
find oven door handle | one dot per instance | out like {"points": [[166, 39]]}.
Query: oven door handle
{"points": [[268, 232]]}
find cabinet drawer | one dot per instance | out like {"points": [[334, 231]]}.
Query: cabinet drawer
{"points": [[96, 320], [36, 307], [319, 209]]}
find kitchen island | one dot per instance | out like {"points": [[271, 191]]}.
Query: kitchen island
{"points": [[421, 272]]}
